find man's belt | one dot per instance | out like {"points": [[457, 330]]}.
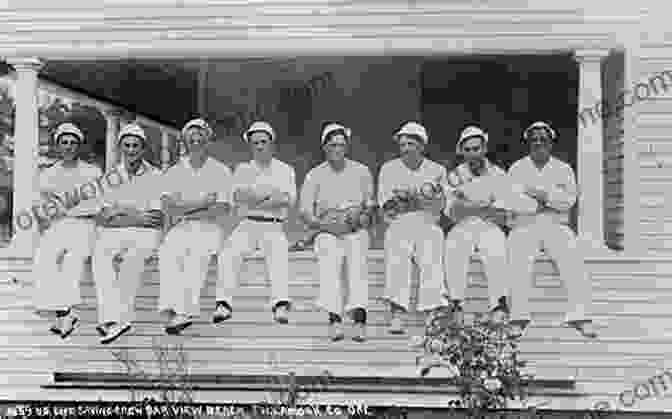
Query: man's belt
{"points": [[147, 226], [265, 219], [159, 225]]}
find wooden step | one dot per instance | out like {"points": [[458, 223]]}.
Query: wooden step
{"points": [[221, 346]]}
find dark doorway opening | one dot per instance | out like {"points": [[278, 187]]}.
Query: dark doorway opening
{"points": [[502, 95]]}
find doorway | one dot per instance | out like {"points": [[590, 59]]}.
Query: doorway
{"points": [[502, 95]]}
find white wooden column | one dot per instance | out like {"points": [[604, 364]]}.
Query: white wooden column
{"points": [[165, 149], [591, 153], [26, 150], [112, 116]]}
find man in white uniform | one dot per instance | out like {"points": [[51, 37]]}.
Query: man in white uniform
{"points": [[197, 190], [552, 184], [412, 236], [129, 234], [472, 189], [264, 189], [68, 241], [337, 184]]}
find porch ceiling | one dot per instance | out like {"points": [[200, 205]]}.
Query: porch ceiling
{"points": [[166, 90]]}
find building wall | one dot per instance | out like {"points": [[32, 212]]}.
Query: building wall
{"points": [[654, 149]]}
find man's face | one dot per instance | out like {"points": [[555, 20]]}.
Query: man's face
{"points": [[68, 146], [473, 149], [410, 147], [540, 144], [261, 145], [132, 148], [336, 148], [196, 139]]}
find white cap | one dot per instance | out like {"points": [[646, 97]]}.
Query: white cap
{"points": [[134, 130], [68, 128], [413, 128], [198, 123], [259, 126], [470, 132], [335, 127], [542, 125]]}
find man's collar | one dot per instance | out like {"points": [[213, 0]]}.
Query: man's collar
{"points": [[422, 161], [549, 162], [187, 162], [256, 165], [489, 167], [346, 163], [143, 167]]}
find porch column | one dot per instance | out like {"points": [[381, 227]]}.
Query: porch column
{"points": [[165, 149], [26, 149], [112, 116], [591, 152]]}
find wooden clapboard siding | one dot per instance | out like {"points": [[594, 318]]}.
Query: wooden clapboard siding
{"points": [[654, 146], [630, 303]]}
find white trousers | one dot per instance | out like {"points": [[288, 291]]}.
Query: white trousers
{"points": [[116, 291], [414, 240], [332, 252], [491, 243], [59, 263], [245, 239], [184, 258], [561, 244]]}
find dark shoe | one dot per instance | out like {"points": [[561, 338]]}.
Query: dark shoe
{"points": [[586, 328], [103, 328], [280, 311], [358, 316], [178, 324], [114, 332], [222, 313], [359, 332], [336, 332], [500, 313], [518, 326], [335, 327], [66, 323]]}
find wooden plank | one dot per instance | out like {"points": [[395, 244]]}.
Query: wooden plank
{"points": [[315, 348], [144, 368]]}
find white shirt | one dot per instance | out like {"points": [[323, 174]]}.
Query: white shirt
{"points": [[138, 190], [485, 187], [278, 175], [556, 178], [71, 184], [59, 179], [394, 174], [193, 184], [130, 190], [324, 188]]}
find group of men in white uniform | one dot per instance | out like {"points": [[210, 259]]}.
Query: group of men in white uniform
{"points": [[199, 208]]}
